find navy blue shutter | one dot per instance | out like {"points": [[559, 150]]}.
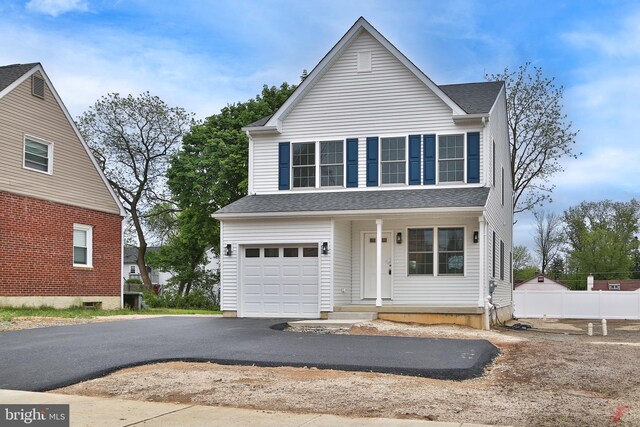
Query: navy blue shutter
{"points": [[429, 142], [372, 161], [352, 162], [414, 159], [473, 157], [284, 169]]}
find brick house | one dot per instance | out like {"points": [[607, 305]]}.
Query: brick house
{"points": [[60, 221]]}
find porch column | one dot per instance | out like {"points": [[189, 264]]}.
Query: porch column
{"points": [[378, 263]]}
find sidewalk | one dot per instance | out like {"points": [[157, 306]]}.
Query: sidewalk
{"points": [[95, 412]]}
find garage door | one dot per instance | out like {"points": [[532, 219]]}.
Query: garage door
{"points": [[280, 281]]}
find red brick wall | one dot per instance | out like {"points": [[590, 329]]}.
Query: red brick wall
{"points": [[36, 249]]}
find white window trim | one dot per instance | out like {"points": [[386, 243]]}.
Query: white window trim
{"points": [[436, 272], [317, 165], [406, 161], [344, 163], [433, 251], [464, 158], [49, 144], [89, 230]]}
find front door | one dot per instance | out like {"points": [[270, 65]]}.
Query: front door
{"points": [[369, 267]]}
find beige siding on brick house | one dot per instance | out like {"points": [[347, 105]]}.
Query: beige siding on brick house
{"points": [[75, 180]]}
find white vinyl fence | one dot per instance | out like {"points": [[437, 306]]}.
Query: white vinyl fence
{"points": [[577, 304]]}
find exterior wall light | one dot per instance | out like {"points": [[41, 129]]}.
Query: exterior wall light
{"points": [[227, 250], [476, 237], [325, 248], [399, 238]]}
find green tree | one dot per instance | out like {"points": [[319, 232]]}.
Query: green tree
{"points": [[521, 258], [556, 268], [539, 134], [601, 237], [209, 172], [132, 138]]}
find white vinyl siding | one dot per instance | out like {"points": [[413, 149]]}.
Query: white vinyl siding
{"points": [[438, 290], [75, 180], [253, 233], [388, 101], [499, 216], [342, 262]]}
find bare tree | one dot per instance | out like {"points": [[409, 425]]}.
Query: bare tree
{"points": [[132, 139], [547, 237], [540, 136]]}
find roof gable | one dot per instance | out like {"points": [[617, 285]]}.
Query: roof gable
{"points": [[326, 62], [10, 72]]}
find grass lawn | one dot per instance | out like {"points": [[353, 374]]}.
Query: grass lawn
{"points": [[8, 313]]}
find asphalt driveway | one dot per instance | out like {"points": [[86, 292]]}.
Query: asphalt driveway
{"points": [[48, 358]]}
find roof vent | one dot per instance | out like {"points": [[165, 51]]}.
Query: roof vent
{"points": [[364, 61], [614, 286], [37, 86]]}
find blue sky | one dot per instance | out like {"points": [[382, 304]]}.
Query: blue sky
{"points": [[201, 55]]}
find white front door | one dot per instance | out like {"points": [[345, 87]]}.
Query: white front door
{"points": [[369, 267]]}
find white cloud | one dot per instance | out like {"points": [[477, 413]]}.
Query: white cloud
{"points": [[620, 40], [57, 7]]}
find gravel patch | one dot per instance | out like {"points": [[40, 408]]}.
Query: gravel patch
{"points": [[539, 380]]}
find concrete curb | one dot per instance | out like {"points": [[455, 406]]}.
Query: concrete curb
{"points": [[98, 412]]}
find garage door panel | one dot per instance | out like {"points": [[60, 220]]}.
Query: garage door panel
{"points": [[279, 286]]}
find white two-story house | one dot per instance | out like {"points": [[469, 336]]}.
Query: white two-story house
{"points": [[374, 189]]}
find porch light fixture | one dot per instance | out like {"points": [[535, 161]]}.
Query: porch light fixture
{"points": [[476, 237], [325, 248], [227, 250], [399, 238]]}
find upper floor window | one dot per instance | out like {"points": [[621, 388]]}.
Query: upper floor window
{"points": [[37, 155], [82, 245], [451, 158], [451, 251], [331, 164], [304, 164], [393, 160], [132, 269]]}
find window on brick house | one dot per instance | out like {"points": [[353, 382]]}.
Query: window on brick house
{"points": [[82, 245]]}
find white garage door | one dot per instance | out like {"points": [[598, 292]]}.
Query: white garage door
{"points": [[280, 281]]}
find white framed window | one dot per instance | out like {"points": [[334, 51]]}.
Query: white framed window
{"points": [[332, 164], [132, 269], [38, 155], [82, 245], [451, 251], [451, 158], [303, 163], [420, 251], [393, 160]]}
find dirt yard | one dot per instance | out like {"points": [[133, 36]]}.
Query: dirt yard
{"points": [[556, 376]]}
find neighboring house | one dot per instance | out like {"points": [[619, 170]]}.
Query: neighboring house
{"points": [[540, 282], [373, 189], [60, 222], [132, 271], [629, 285], [158, 277]]}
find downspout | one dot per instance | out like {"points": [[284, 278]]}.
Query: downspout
{"points": [[122, 279]]}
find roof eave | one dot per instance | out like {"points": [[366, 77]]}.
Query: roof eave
{"points": [[261, 129], [482, 118], [347, 213]]}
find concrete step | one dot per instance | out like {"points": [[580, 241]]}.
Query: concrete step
{"points": [[326, 323], [352, 315]]}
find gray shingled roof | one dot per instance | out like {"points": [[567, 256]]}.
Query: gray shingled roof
{"points": [[474, 98], [263, 121], [11, 73], [131, 253], [359, 200]]}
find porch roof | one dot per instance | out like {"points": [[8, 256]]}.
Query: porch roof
{"points": [[356, 201]]}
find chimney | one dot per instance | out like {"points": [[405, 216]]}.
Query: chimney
{"points": [[590, 282]]}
